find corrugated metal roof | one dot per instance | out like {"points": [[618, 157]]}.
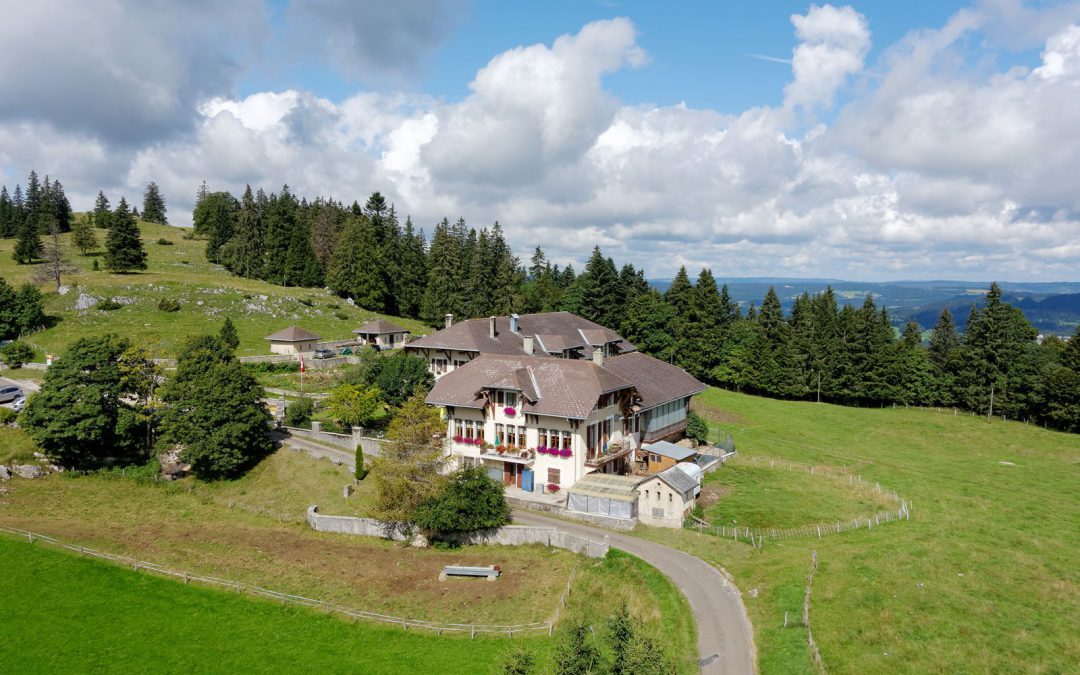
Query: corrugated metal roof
{"points": [[675, 452]]}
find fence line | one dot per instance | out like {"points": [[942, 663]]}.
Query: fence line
{"points": [[815, 653], [288, 598], [756, 536]]}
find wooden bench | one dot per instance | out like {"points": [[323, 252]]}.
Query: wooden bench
{"points": [[491, 572]]}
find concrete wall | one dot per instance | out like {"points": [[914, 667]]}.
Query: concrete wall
{"points": [[372, 446], [563, 512], [508, 535]]}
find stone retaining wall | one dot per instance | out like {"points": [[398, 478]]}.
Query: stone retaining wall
{"points": [[508, 535], [563, 512], [371, 446]]}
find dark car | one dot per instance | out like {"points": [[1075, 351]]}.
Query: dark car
{"points": [[10, 394], [324, 353]]}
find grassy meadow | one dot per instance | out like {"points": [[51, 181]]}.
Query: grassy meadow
{"points": [[206, 293], [983, 578]]}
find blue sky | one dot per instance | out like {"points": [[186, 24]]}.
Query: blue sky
{"points": [[876, 140]]}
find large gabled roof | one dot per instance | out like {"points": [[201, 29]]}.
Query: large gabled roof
{"points": [[656, 382], [292, 334], [559, 387], [555, 332], [379, 327]]}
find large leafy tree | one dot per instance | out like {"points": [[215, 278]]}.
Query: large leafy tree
{"points": [[81, 417], [400, 376], [124, 250], [153, 210], [409, 469], [21, 311], [469, 501], [354, 405], [214, 411]]}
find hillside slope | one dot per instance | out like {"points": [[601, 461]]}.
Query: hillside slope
{"points": [[206, 293]]}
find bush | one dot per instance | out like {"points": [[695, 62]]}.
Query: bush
{"points": [[16, 354], [97, 266], [164, 242], [470, 501], [108, 305], [342, 315], [298, 413], [361, 470], [333, 305], [168, 305], [696, 428], [259, 368], [305, 302], [7, 416]]}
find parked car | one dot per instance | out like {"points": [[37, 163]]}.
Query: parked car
{"points": [[324, 353], [10, 394], [19, 404]]}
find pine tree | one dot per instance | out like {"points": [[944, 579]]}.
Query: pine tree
{"points": [[678, 293], [355, 266], [28, 243], [215, 218], [56, 265], [412, 272], [301, 266], [201, 193], [83, 237], [944, 356], [442, 295], [228, 335], [700, 335], [123, 245], [33, 199], [7, 214], [280, 221], [102, 215], [650, 325], [248, 253], [507, 277], [153, 210], [56, 205], [601, 294], [479, 283]]}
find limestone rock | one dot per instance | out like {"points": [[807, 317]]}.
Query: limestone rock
{"points": [[4, 473], [85, 301], [27, 470]]}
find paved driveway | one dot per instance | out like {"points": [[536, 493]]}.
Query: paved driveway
{"points": [[725, 641]]}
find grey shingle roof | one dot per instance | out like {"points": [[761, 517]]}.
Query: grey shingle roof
{"points": [[379, 327], [556, 332], [656, 382], [678, 480], [292, 334], [560, 387]]}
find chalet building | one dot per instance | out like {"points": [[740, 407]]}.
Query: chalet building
{"points": [[541, 421], [382, 334], [550, 334]]}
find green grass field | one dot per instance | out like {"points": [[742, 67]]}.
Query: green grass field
{"points": [[206, 292], [67, 614], [983, 578]]}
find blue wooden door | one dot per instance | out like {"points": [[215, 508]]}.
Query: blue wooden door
{"points": [[527, 480]]}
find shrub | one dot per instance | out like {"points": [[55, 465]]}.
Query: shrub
{"points": [[108, 305], [298, 413], [97, 267], [306, 302], [361, 470], [164, 242], [696, 428], [16, 354], [333, 305], [342, 315], [259, 368], [7, 416], [169, 305], [470, 501]]}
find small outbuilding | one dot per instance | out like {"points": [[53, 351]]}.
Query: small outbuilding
{"points": [[382, 334], [663, 455], [666, 499], [292, 341]]}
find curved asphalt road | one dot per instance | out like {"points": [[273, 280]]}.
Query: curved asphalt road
{"points": [[724, 638]]}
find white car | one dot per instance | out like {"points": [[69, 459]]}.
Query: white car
{"points": [[10, 394], [19, 404]]}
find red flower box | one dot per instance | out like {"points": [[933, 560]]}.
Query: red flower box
{"points": [[552, 487], [565, 452], [510, 412]]}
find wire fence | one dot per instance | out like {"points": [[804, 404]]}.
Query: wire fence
{"points": [[757, 536], [815, 653], [473, 629]]}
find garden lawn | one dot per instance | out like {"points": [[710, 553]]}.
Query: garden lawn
{"points": [[206, 293], [66, 614], [983, 578]]}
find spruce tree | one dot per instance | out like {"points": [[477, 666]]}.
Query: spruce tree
{"points": [[83, 237], [412, 272], [479, 282], [7, 214], [301, 266], [153, 210], [650, 325], [601, 294], [123, 245], [215, 219], [28, 245], [280, 221], [355, 266], [700, 334], [102, 215], [248, 253], [33, 198], [678, 293], [228, 335], [443, 292]]}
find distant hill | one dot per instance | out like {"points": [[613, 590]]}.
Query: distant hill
{"points": [[1052, 307]]}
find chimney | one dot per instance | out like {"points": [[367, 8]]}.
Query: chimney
{"points": [[449, 320], [514, 327], [491, 327], [598, 356], [528, 345]]}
